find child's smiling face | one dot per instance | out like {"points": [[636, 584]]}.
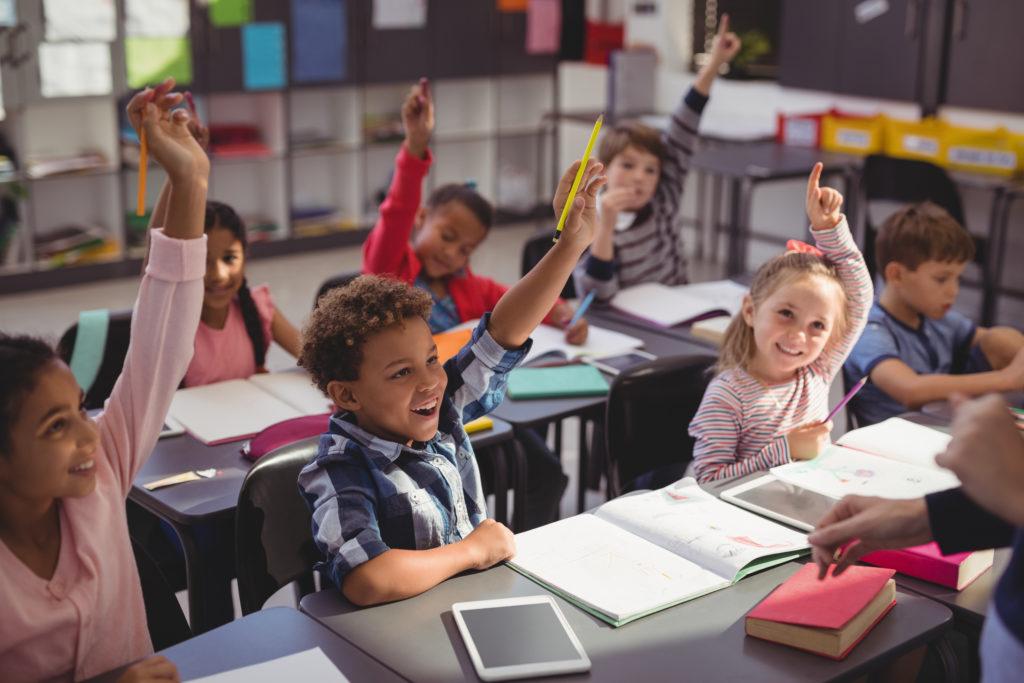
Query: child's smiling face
{"points": [[445, 237], [53, 442], [792, 326], [400, 386]]}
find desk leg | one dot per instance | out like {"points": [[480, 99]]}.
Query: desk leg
{"points": [[584, 467], [740, 190], [500, 481], [699, 225], [716, 215], [991, 273], [194, 575], [519, 475]]}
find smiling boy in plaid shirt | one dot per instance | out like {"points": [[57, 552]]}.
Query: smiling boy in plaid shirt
{"points": [[394, 488]]}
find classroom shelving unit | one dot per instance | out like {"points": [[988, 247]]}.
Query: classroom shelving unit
{"points": [[491, 98]]}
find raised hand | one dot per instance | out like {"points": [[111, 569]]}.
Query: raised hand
{"points": [[418, 118], [168, 138], [726, 44], [823, 203], [581, 223]]}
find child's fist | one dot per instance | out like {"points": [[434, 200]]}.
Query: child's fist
{"points": [[726, 43], [156, 668], [418, 118], [823, 203], [581, 222], [492, 543], [168, 137], [807, 441], [575, 333]]}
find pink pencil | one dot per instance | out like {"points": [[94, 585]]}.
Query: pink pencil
{"points": [[846, 399]]}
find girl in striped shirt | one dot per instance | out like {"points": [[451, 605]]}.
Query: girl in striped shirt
{"points": [[805, 310]]}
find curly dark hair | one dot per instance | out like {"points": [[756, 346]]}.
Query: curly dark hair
{"points": [[345, 317], [21, 357]]}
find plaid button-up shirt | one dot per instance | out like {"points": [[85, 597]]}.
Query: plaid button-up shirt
{"points": [[369, 495]]}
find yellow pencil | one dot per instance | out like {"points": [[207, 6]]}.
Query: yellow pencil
{"points": [[579, 177], [140, 199]]}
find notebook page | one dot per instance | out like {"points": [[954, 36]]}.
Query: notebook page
{"points": [[296, 389], [668, 306], [692, 523], [608, 568], [840, 471], [226, 411], [600, 343], [310, 665], [900, 440]]}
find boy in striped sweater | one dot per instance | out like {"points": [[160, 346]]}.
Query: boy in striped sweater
{"points": [[805, 311], [638, 236]]}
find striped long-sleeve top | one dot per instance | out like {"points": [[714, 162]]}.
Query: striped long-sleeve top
{"points": [[741, 424], [650, 249]]}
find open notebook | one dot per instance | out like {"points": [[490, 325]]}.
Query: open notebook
{"points": [[639, 554], [240, 408], [547, 339], [669, 306], [892, 459]]}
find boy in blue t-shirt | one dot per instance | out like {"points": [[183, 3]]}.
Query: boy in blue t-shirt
{"points": [[916, 348]]}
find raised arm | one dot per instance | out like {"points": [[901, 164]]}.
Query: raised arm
{"points": [[832, 235], [170, 298], [387, 246], [526, 304]]}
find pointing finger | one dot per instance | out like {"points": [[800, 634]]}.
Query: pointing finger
{"points": [[812, 182]]}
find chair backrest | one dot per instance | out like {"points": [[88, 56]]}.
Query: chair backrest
{"points": [[533, 252], [114, 351], [650, 407], [333, 282], [273, 532], [907, 181], [166, 621]]}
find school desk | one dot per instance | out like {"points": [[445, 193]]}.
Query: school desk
{"points": [[528, 414], [187, 506], [260, 637], [700, 640]]}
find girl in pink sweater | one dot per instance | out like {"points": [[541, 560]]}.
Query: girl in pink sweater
{"points": [[72, 601]]}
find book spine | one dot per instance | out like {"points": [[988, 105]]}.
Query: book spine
{"points": [[919, 566]]}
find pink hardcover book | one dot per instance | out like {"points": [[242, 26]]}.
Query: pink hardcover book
{"points": [[927, 562]]}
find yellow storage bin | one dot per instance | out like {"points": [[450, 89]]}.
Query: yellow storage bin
{"points": [[1017, 142], [853, 135], [920, 140], [980, 151]]}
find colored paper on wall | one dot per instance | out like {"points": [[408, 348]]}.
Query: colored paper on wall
{"points": [[391, 14], [156, 18], [512, 5], [263, 56], [151, 60], [8, 13], [230, 12], [319, 40], [543, 26], [74, 69], [85, 20]]}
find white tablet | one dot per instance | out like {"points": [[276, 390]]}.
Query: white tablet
{"points": [[792, 505], [614, 365], [171, 428], [519, 638]]}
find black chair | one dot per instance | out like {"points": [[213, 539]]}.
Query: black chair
{"points": [[273, 532], [336, 281], [533, 252], [649, 411], [114, 352], [909, 181], [166, 621]]}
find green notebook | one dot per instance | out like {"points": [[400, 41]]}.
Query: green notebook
{"points": [[564, 381]]}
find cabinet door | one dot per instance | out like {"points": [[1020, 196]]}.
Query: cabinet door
{"points": [[880, 54], [986, 55], [808, 45]]}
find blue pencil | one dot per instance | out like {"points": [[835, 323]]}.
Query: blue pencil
{"points": [[587, 300]]}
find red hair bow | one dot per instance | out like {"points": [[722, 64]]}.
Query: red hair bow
{"points": [[803, 248]]}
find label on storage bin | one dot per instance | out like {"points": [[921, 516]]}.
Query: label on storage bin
{"points": [[849, 137], [920, 144], [979, 156], [801, 132]]}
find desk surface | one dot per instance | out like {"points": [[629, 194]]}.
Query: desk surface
{"points": [[263, 636], [195, 501], [703, 638], [768, 160]]}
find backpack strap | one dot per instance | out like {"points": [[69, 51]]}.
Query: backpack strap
{"points": [[90, 344]]}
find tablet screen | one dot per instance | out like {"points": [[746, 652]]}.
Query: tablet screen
{"points": [[792, 501], [513, 635]]}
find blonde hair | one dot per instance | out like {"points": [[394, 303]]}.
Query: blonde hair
{"points": [[739, 346]]}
